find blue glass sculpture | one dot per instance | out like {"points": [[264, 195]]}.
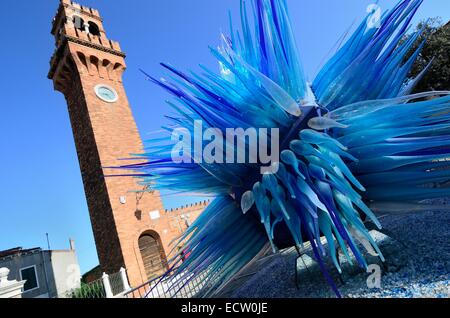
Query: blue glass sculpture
{"points": [[352, 137]]}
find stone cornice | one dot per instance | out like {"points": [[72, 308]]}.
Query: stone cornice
{"points": [[60, 51], [94, 46]]}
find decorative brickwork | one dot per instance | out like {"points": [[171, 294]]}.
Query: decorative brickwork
{"points": [[104, 133]]}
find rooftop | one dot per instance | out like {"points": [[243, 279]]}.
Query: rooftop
{"points": [[18, 251]]}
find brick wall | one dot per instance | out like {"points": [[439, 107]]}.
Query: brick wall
{"points": [[104, 133]]}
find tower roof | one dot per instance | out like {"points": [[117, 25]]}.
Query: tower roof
{"points": [[67, 5], [78, 24]]}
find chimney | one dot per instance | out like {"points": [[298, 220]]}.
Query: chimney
{"points": [[72, 244]]}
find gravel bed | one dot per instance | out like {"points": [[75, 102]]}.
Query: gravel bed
{"points": [[417, 251]]}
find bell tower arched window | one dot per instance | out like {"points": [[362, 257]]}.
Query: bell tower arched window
{"points": [[94, 29], [78, 23]]}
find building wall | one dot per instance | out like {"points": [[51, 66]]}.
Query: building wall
{"points": [[57, 271], [189, 213], [17, 262], [66, 271]]}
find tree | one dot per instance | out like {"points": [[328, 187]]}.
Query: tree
{"points": [[438, 47]]}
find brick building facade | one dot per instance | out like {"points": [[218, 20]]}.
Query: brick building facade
{"points": [[131, 229]]}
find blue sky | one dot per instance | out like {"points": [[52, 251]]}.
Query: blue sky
{"points": [[40, 183]]}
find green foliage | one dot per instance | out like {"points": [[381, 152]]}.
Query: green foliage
{"points": [[92, 290], [437, 47]]}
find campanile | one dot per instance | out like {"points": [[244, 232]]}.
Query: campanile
{"points": [[130, 229]]}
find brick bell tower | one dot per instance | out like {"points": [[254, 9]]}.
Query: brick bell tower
{"points": [[131, 230]]}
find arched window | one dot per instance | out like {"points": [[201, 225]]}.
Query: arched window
{"points": [[83, 60], [94, 29], [95, 62], [78, 22], [152, 254]]}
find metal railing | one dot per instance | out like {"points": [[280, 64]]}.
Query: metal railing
{"points": [[94, 289], [175, 286], [116, 283], [109, 286]]}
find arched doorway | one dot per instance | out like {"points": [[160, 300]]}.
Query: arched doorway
{"points": [[153, 255]]}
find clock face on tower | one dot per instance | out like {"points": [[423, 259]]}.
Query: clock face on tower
{"points": [[106, 93]]}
